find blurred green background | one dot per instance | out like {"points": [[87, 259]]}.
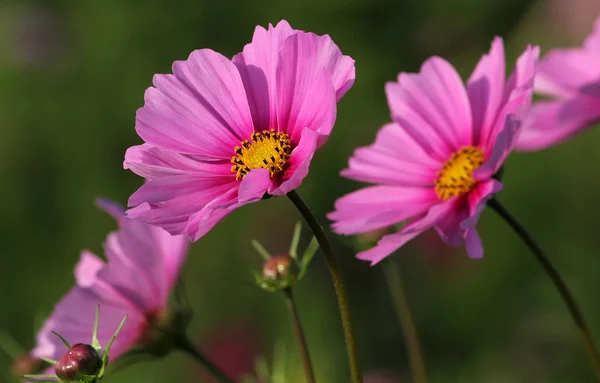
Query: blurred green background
{"points": [[72, 74]]}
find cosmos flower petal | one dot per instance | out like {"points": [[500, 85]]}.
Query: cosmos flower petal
{"points": [[572, 76], [201, 109], [477, 200], [473, 244], [454, 226], [517, 99], [151, 162], [203, 221], [503, 145], [551, 122], [170, 202], [522, 78], [87, 268], [379, 206], [410, 166], [486, 89], [392, 242], [254, 186], [305, 94], [433, 103], [341, 68], [257, 65], [164, 189], [563, 72], [592, 42], [217, 85], [299, 163]]}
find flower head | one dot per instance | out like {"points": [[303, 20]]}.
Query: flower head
{"points": [[572, 78], [434, 164], [222, 133], [282, 271], [143, 264]]}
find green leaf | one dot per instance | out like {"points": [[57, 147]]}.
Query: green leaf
{"points": [[261, 250], [295, 241], [87, 378]]}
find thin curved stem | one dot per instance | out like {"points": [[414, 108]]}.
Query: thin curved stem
{"points": [[299, 331], [183, 344], [338, 284], [411, 338], [560, 285]]}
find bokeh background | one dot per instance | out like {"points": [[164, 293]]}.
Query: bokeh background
{"points": [[72, 74]]}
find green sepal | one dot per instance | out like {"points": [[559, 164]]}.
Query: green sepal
{"points": [[261, 250], [65, 342], [48, 360], [308, 255], [88, 378], [95, 341], [295, 241], [105, 353]]}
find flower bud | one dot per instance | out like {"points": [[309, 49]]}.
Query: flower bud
{"points": [[279, 268], [81, 359]]}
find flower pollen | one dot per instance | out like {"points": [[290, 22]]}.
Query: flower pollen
{"points": [[456, 176], [267, 149]]}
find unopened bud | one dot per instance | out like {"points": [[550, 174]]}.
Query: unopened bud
{"points": [[25, 364], [81, 359], [280, 267]]}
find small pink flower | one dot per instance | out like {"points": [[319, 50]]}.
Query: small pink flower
{"points": [[143, 264], [434, 164], [572, 78], [223, 133]]}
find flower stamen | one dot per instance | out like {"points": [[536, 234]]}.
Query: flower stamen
{"points": [[267, 149], [456, 176]]}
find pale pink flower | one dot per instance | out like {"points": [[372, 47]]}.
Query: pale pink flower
{"points": [[572, 78], [143, 264], [223, 133], [434, 164]]}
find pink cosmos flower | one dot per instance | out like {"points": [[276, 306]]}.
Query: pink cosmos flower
{"points": [[143, 265], [434, 164], [222, 133], [572, 78]]}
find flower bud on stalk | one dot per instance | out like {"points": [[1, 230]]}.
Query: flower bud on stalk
{"points": [[282, 271], [81, 359], [280, 267]]}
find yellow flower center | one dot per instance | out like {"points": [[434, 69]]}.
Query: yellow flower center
{"points": [[456, 176], [267, 149]]}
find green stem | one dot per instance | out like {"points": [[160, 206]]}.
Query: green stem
{"points": [[299, 331], [183, 344], [338, 284], [560, 285], [411, 339]]}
